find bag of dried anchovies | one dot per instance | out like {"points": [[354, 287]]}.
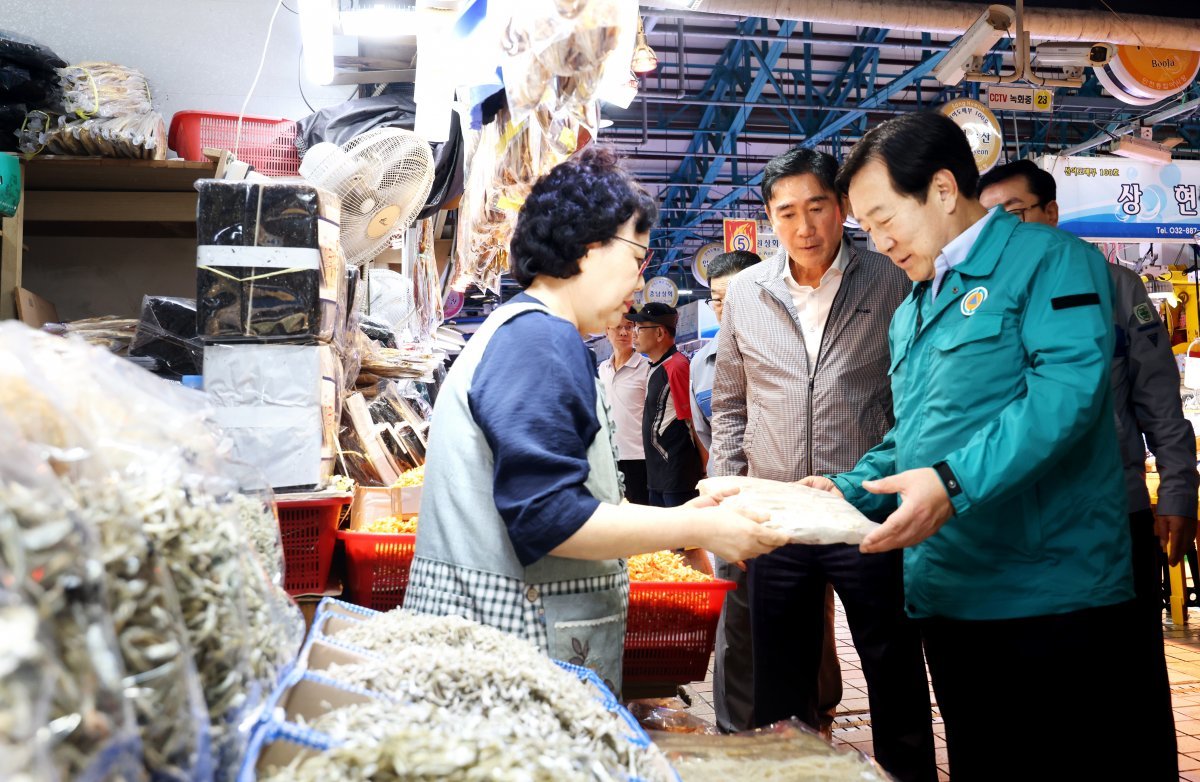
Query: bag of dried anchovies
{"points": [[44, 546], [27, 669]]}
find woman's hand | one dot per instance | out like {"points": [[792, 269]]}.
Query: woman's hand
{"points": [[738, 535], [723, 487]]}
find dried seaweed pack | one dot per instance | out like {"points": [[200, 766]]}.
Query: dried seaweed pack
{"points": [[268, 265]]}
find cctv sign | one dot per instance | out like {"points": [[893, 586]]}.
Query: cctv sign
{"points": [[1019, 99]]}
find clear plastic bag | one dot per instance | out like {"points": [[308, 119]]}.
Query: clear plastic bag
{"points": [[44, 547], [28, 666], [785, 750], [808, 515], [156, 438]]}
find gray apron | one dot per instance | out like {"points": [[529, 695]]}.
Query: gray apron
{"points": [[572, 609]]}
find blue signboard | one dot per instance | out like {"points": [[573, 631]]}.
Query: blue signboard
{"points": [[1122, 200]]}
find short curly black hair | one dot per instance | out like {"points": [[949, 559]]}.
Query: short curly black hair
{"points": [[580, 202]]}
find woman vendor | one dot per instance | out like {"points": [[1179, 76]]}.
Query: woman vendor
{"points": [[522, 523]]}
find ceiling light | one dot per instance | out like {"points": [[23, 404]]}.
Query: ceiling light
{"points": [[644, 58], [966, 55], [1141, 149]]}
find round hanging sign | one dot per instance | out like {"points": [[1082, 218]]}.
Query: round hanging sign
{"points": [[453, 304], [662, 289], [981, 128], [703, 257], [1153, 73]]}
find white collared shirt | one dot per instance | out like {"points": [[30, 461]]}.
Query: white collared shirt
{"points": [[957, 251], [625, 389], [813, 304]]}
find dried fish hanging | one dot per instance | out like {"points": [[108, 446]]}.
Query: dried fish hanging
{"points": [[43, 545]]}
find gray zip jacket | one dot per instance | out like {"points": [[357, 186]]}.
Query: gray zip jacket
{"points": [[1145, 382], [774, 415]]}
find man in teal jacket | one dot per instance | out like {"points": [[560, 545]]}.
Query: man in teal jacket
{"points": [[1004, 458]]}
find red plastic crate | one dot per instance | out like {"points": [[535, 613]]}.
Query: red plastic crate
{"points": [[267, 144], [377, 565], [671, 630], [309, 532]]}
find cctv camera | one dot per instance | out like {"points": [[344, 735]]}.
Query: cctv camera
{"points": [[967, 53], [1077, 55]]}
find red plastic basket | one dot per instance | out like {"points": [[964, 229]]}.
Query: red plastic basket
{"points": [[267, 144], [377, 565], [309, 532], [671, 630]]}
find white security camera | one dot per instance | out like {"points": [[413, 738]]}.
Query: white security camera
{"points": [[966, 56], [1073, 55]]}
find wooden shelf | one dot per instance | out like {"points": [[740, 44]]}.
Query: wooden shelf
{"points": [[93, 196]]}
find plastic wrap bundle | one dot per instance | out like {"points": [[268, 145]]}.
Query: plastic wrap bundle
{"points": [[427, 287], [28, 81], [154, 458], [166, 331], [104, 89], [44, 549], [136, 136], [781, 751], [269, 265], [808, 515]]}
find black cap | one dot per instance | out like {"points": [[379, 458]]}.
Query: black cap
{"points": [[658, 313]]}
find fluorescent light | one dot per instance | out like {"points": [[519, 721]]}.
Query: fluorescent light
{"points": [[967, 53], [379, 21], [316, 35], [1141, 149], [685, 291]]}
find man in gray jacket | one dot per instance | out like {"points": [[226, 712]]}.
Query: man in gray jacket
{"points": [[1146, 402], [802, 389]]}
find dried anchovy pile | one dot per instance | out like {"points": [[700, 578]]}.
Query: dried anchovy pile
{"points": [[43, 547], [478, 673], [386, 741], [200, 546], [164, 688]]}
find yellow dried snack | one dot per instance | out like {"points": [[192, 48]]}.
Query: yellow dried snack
{"points": [[663, 566], [393, 524], [413, 477]]}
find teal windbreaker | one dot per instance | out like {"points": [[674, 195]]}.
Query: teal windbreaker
{"points": [[1005, 378]]}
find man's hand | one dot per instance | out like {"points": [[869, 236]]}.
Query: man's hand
{"points": [[722, 487], [924, 508], [820, 482], [1175, 534]]}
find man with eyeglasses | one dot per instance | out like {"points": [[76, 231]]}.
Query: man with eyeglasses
{"points": [[624, 376], [1148, 410]]}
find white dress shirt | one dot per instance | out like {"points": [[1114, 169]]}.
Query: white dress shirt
{"points": [[813, 304], [957, 251], [625, 389]]}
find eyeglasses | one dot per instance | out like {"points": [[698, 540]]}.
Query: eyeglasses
{"points": [[645, 260], [643, 328], [710, 302], [1020, 213]]}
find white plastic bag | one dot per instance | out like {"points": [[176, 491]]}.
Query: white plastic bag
{"points": [[808, 515]]}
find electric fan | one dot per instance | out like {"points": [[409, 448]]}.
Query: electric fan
{"points": [[382, 177]]}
